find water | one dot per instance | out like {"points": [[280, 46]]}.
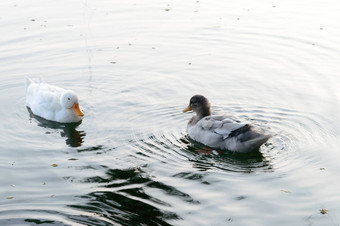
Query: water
{"points": [[135, 66]]}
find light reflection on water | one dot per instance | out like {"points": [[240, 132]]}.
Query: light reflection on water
{"points": [[134, 66]]}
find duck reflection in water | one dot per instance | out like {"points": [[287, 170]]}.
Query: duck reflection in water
{"points": [[74, 138]]}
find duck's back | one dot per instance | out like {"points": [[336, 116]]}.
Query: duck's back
{"points": [[43, 99], [226, 133]]}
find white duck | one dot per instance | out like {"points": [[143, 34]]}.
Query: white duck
{"points": [[52, 102], [218, 131]]}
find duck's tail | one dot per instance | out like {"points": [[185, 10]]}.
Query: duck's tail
{"points": [[28, 81], [255, 143]]}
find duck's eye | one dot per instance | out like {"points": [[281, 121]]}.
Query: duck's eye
{"points": [[69, 98]]}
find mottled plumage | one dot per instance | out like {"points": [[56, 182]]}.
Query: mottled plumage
{"points": [[219, 131]]}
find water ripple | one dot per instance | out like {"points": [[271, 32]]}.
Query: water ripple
{"points": [[122, 192], [293, 131]]}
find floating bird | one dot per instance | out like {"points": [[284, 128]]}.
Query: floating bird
{"points": [[52, 103], [219, 131]]}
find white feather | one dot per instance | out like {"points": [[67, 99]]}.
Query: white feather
{"points": [[45, 101]]}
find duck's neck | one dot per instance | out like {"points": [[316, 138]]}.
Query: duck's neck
{"points": [[203, 113], [199, 116]]}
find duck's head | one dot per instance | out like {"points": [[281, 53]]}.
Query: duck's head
{"points": [[69, 100], [200, 105]]}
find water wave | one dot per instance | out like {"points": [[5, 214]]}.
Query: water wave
{"points": [[293, 132]]}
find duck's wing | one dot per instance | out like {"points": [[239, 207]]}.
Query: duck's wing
{"points": [[221, 125], [43, 98]]}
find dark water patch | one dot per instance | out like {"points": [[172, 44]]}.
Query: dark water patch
{"points": [[192, 176], [74, 137], [98, 149], [37, 221], [122, 210], [119, 180], [126, 198]]}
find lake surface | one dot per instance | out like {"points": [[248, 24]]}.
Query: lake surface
{"points": [[134, 66]]}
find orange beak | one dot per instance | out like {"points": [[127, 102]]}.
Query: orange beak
{"points": [[187, 109], [76, 109]]}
